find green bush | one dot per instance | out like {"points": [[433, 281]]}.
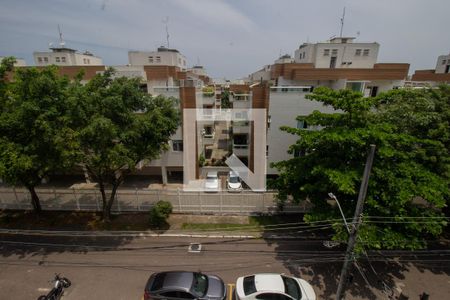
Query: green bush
{"points": [[159, 213]]}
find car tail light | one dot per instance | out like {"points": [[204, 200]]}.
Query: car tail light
{"points": [[147, 295]]}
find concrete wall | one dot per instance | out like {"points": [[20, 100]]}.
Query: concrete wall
{"points": [[284, 107], [66, 59], [314, 53], [142, 58], [441, 65]]}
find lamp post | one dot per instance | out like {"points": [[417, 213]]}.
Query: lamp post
{"points": [[332, 196]]}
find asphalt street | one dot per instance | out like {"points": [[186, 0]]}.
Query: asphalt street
{"points": [[118, 267]]}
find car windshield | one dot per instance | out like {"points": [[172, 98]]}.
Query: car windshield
{"points": [[200, 284], [291, 287], [249, 285], [234, 179]]}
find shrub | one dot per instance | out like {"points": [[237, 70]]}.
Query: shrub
{"points": [[159, 213]]}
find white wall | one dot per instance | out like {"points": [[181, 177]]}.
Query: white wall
{"points": [[66, 58], [314, 53], [440, 66], [150, 58], [284, 107]]}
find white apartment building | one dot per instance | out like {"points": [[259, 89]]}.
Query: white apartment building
{"points": [[443, 64], [162, 57], [440, 74], [63, 56], [339, 52]]}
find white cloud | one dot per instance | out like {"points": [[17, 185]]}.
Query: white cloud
{"points": [[217, 13]]}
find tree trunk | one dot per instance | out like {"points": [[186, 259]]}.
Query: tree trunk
{"points": [[106, 212], [35, 200]]}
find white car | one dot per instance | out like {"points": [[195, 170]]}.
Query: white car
{"points": [[270, 286], [212, 182], [234, 182]]}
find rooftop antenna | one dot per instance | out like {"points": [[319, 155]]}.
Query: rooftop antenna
{"points": [[61, 41], [166, 21], [342, 22]]}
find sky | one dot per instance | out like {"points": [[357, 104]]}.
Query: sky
{"points": [[229, 38]]}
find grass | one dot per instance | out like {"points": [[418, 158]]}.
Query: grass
{"points": [[257, 223]]}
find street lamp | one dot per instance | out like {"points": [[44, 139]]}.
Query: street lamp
{"points": [[333, 197]]}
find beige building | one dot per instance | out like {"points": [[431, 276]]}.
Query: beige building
{"points": [[161, 57], [440, 74], [63, 56]]}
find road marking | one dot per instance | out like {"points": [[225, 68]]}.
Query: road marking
{"points": [[230, 291]]}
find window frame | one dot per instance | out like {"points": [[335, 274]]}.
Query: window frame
{"points": [[326, 52], [178, 147]]}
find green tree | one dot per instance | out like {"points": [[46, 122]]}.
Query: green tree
{"points": [[35, 136], [120, 126], [225, 99], [405, 191]]}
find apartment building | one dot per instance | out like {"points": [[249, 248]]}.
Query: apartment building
{"points": [[63, 56], [338, 64], [161, 57], [440, 74]]}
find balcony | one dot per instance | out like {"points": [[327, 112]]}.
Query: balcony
{"points": [[240, 100], [241, 127], [240, 144], [241, 150]]}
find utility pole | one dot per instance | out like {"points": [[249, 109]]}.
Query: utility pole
{"points": [[349, 255]]}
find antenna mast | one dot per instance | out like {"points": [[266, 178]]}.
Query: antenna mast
{"points": [[61, 41], [342, 22], [166, 21]]}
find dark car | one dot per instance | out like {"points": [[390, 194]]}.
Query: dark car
{"points": [[184, 285]]}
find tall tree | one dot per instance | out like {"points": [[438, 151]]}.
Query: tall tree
{"points": [[120, 126], [35, 137], [406, 193]]}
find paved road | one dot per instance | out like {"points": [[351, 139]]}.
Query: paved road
{"points": [[118, 267]]}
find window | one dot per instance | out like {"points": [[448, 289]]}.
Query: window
{"points": [[46, 59], [177, 295], [358, 52], [39, 59], [291, 287], [158, 282], [184, 62], [304, 54], [63, 59], [88, 61], [200, 284], [249, 285], [57, 59], [326, 52], [177, 145], [334, 52], [179, 61], [158, 59], [150, 59], [302, 124], [443, 61], [366, 52], [272, 296]]}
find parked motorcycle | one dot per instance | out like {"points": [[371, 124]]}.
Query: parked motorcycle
{"points": [[56, 293]]}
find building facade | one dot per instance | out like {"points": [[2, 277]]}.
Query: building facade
{"points": [[63, 56]]}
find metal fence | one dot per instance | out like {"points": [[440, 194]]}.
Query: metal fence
{"points": [[129, 200]]}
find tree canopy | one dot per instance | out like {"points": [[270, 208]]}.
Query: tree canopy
{"points": [[119, 126], [409, 183], [36, 139]]}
